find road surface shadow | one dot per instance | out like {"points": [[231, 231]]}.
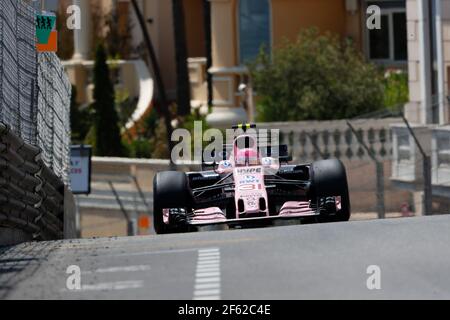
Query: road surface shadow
{"points": [[20, 262]]}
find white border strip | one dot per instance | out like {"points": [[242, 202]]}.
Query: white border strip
{"points": [[207, 276]]}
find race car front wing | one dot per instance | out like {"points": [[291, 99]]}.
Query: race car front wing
{"points": [[214, 215]]}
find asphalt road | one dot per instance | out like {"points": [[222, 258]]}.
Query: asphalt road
{"points": [[326, 261]]}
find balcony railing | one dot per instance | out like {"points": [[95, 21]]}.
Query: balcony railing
{"points": [[312, 140]]}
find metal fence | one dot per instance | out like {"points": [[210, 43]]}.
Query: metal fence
{"points": [[365, 146], [34, 90], [53, 114]]}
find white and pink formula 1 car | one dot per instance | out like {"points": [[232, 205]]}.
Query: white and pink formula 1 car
{"points": [[250, 187]]}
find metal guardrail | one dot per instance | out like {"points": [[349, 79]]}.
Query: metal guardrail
{"points": [[125, 188], [31, 195]]}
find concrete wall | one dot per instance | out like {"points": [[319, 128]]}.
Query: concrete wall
{"points": [[102, 223], [71, 216]]}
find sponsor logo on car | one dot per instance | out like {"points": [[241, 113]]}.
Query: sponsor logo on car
{"points": [[226, 164], [249, 170], [250, 187], [204, 177], [248, 179], [247, 187], [266, 161]]}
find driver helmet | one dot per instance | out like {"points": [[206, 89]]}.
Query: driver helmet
{"points": [[246, 156]]}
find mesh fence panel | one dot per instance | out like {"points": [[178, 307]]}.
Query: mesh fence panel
{"points": [[34, 89], [53, 113]]}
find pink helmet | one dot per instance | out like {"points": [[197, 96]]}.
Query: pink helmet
{"points": [[246, 154]]}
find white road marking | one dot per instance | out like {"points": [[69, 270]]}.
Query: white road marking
{"points": [[119, 285], [207, 276], [109, 286], [208, 298], [201, 274], [209, 280], [124, 269], [209, 254], [207, 286], [208, 268], [207, 292], [210, 262], [144, 253], [209, 250], [120, 269], [213, 258]]}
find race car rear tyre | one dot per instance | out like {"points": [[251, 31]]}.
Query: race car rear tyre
{"points": [[170, 190], [330, 179]]}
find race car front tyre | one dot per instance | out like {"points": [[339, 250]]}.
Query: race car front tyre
{"points": [[329, 179], [170, 190]]}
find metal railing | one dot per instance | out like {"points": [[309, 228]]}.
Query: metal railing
{"points": [[313, 140]]}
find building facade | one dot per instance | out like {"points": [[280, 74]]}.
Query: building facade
{"points": [[240, 27], [428, 25], [131, 74]]}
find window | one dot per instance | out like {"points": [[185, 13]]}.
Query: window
{"points": [[389, 43], [254, 28], [441, 156]]}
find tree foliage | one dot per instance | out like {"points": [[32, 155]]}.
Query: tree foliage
{"points": [[318, 76], [396, 92], [107, 132], [80, 119]]}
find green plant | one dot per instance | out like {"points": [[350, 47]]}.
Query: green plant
{"points": [[396, 91], [107, 132], [318, 76], [138, 148], [80, 119], [125, 105], [188, 123], [149, 140], [158, 141]]}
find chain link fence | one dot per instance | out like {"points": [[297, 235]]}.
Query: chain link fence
{"points": [[53, 114], [365, 146], [34, 89], [34, 131]]}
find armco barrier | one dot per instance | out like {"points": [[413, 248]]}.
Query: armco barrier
{"points": [[31, 195]]}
